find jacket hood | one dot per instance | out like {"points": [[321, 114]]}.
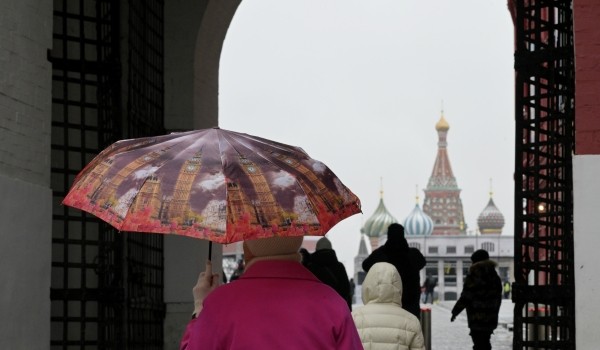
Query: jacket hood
{"points": [[382, 285], [483, 265], [483, 270]]}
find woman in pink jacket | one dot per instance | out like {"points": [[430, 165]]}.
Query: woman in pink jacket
{"points": [[276, 304]]}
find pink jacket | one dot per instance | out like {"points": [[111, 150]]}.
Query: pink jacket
{"points": [[276, 304]]}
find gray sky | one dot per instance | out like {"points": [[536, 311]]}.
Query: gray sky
{"points": [[359, 86]]}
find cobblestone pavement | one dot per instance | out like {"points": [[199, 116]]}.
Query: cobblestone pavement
{"points": [[446, 335]]}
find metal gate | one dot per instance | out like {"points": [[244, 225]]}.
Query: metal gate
{"points": [[145, 96], [544, 315], [106, 290]]}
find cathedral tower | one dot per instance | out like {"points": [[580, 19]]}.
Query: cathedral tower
{"points": [[442, 195]]}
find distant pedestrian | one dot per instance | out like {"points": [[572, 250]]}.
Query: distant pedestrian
{"points": [[408, 261], [305, 254], [237, 273], [481, 296], [506, 290], [382, 323], [324, 264], [429, 287], [352, 291]]}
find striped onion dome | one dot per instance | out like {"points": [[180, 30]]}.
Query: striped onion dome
{"points": [[377, 224], [491, 219], [418, 223]]}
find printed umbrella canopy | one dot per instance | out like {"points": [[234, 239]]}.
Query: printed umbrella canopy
{"points": [[213, 184]]}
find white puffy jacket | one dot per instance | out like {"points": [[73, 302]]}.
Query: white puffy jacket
{"points": [[382, 322]]}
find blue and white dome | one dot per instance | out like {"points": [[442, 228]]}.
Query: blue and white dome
{"points": [[418, 223], [377, 224]]}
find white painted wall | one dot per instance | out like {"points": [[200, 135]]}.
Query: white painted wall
{"points": [[586, 193]]}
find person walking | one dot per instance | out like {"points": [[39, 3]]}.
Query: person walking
{"points": [[429, 287], [305, 256], [238, 271], [481, 296], [382, 323], [276, 304], [324, 264], [408, 261], [506, 289]]}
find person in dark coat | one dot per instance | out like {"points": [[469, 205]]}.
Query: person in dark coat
{"points": [[429, 287], [481, 296], [324, 264], [408, 261], [305, 256], [238, 271]]}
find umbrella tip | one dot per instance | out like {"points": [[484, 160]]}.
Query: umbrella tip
{"points": [[216, 127]]}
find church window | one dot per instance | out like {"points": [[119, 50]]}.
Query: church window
{"points": [[466, 266], [432, 250], [488, 246], [451, 250], [415, 245], [450, 273], [469, 249]]}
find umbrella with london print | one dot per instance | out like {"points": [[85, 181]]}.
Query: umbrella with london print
{"points": [[212, 184]]}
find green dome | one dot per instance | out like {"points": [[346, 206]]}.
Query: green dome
{"points": [[377, 224]]}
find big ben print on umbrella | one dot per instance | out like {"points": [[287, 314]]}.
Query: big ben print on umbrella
{"points": [[213, 184]]}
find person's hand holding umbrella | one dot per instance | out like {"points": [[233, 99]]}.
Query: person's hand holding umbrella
{"points": [[207, 282]]}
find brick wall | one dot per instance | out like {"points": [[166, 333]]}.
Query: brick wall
{"points": [[25, 89], [587, 76]]}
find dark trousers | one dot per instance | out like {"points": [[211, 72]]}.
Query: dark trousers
{"points": [[481, 340]]}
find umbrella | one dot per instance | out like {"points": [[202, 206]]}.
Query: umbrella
{"points": [[212, 184]]}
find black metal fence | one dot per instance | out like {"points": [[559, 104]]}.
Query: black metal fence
{"points": [[107, 287], [544, 315]]}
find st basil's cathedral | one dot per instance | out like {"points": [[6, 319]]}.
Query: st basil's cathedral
{"points": [[439, 231]]}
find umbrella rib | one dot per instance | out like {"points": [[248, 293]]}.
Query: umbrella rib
{"points": [[296, 179], [272, 163]]}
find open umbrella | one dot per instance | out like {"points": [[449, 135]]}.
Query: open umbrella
{"points": [[212, 184]]}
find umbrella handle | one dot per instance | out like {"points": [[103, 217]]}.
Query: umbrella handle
{"points": [[209, 250]]}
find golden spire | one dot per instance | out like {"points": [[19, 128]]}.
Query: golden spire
{"points": [[417, 193], [491, 188], [381, 187]]}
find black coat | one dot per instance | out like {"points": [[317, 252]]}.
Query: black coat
{"points": [[481, 296], [408, 261], [325, 266]]}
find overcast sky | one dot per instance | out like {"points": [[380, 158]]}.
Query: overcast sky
{"points": [[359, 86]]}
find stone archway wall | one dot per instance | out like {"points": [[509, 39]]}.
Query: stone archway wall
{"points": [[209, 45], [194, 36]]}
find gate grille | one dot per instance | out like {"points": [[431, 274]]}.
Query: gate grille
{"points": [[145, 94], [543, 293], [106, 289]]}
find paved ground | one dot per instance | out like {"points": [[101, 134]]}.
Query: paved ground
{"points": [[446, 335]]}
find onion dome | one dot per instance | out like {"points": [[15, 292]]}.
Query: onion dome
{"points": [[491, 219], [377, 224], [418, 223], [442, 124]]}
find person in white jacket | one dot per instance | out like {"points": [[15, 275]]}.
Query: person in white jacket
{"points": [[382, 323]]}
